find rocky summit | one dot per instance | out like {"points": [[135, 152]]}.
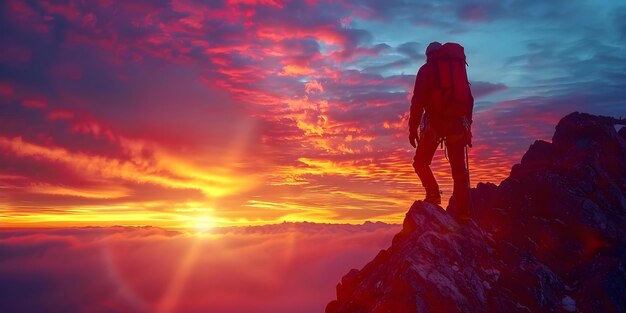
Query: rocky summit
{"points": [[550, 238]]}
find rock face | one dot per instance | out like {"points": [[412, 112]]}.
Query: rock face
{"points": [[550, 238]]}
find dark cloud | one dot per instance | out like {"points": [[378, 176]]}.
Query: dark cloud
{"points": [[412, 50], [457, 15], [371, 116], [483, 89], [383, 68], [305, 49]]}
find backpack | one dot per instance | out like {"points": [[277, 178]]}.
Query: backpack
{"points": [[453, 96]]}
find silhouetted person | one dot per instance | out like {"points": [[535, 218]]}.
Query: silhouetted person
{"points": [[441, 108]]}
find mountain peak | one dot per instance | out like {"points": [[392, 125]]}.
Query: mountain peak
{"points": [[550, 237]]}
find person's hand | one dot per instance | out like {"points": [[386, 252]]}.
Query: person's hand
{"points": [[413, 139]]}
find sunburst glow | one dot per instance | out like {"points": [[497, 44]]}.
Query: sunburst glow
{"points": [[114, 113]]}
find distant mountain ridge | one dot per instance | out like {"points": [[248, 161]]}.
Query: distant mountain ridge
{"points": [[303, 227], [550, 238], [277, 228]]}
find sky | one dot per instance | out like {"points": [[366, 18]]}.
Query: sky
{"points": [[194, 114]]}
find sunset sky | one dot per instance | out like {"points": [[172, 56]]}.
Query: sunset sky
{"points": [[194, 114]]}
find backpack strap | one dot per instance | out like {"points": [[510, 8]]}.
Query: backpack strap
{"points": [[450, 60]]}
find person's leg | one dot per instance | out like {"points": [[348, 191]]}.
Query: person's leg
{"points": [[424, 153], [460, 193]]}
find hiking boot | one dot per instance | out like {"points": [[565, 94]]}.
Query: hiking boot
{"points": [[461, 212], [434, 198]]}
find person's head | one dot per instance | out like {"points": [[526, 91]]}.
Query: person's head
{"points": [[432, 47]]}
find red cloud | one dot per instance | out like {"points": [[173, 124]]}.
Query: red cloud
{"points": [[15, 53], [274, 3], [36, 103], [27, 17], [66, 71], [6, 89], [60, 114], [282, 268]]}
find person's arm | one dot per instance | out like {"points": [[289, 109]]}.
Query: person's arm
{"points": [[417, 105], [469, 114], [469, 119]]}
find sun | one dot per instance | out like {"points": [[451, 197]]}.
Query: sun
{"points": [[203, 224], [196, 219]]}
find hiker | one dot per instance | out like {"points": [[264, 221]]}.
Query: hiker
{"points": [[441, 109]]}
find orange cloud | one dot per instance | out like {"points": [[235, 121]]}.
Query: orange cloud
{"points": [[296, 70], [165, 169], [85, 192], [313, 86]]}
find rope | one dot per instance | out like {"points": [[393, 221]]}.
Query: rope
{"points": [[467, 166], [469, 184]]}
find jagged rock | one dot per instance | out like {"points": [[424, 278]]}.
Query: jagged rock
{"points": [[438, 265], [550, 238], [622, 132]]}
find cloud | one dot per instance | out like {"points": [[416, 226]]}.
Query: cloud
{"points": [[619, 15], [395, 65], [411, 49], [483, 89], [279, 268], [147, 109]]}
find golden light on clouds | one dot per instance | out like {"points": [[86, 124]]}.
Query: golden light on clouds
{"points": [[261, 124], [165, 170]]}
